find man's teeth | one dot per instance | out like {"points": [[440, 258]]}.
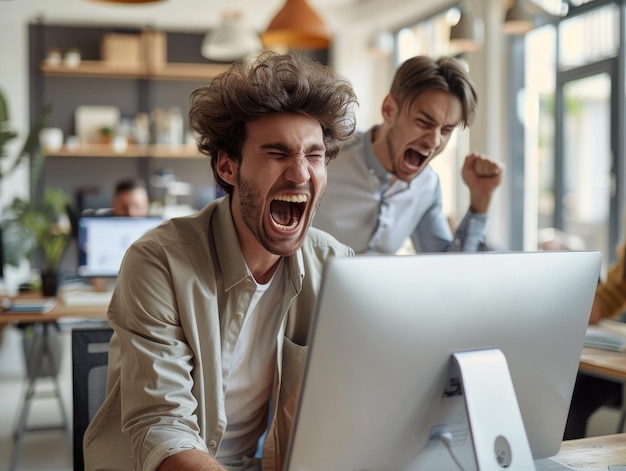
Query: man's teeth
{"points": [[290, 227], [294, 198]]}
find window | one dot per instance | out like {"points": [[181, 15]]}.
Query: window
{"points": [[570, 117]]}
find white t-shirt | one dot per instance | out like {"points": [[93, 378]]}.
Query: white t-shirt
{"points": [[250, 382]]}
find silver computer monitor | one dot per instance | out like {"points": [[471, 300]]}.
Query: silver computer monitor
{"points": [[103, 241], [376, 390]]}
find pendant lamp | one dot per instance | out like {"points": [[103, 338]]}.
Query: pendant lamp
{"points": [[232, 40], [296, 26], [467, 34], [517, 19]]}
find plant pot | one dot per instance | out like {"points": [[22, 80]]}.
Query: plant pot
{"points": [[49, 284]]}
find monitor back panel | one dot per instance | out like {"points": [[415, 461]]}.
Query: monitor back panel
{"points": [[384, 331]]}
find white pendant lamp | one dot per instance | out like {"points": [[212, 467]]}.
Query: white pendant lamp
{"points": [[233, 39]]}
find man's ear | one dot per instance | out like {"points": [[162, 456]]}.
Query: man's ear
{"points": [[226, 167], [389, 108]]}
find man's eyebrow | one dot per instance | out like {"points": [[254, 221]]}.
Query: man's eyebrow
{"points": [[276, 146], [288, 150], [433, 120]]}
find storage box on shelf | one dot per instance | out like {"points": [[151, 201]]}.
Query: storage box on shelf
{"points": [[122, 49]]}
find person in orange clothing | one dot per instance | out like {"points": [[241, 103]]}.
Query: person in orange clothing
{"points": [[610, 299], [590, 392]]}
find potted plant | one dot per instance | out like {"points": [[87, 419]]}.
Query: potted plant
{"points": [[38, 226], [106, 134]]}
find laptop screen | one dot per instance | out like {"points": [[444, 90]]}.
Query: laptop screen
{"points": [[103, 241]]}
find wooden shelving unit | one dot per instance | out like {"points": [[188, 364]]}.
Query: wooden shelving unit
{"points": [[158, 76]]}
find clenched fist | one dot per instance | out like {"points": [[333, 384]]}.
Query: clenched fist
{"points": [[482, 176]]}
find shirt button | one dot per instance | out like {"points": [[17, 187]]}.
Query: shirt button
{"points": [[212, 444]]}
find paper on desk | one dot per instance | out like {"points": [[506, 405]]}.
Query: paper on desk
{"points": [[607, 334], [86, 298], [42, 306]]}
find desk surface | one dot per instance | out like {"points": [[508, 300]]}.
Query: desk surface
{"points": [[594, 454], [605, 363], [58, 311]]}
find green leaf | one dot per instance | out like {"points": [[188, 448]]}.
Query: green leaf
{"points": [[4, 109], [33, 226]]}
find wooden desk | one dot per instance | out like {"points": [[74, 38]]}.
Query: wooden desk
{"points": [[604, 363], [42, 350], [595, 453], [60, 310]]}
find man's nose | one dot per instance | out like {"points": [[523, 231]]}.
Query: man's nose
{"points": [[433, 138], [298, 170]]}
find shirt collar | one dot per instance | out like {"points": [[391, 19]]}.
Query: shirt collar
{"points": [[377, 169], [370, 156]]}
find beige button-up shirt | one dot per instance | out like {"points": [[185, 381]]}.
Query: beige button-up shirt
{"points": [[177, 311]]}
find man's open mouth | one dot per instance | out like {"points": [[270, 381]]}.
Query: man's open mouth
{"points": [[414, 158], [286, 211]]}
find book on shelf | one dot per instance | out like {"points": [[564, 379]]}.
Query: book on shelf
{"points": [[608, 334]]}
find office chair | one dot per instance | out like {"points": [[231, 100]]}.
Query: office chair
{"points": [[90, 355]]}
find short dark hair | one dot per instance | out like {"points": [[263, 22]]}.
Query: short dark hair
{"points": [[129, 184], [272, 83], [421, 73]]}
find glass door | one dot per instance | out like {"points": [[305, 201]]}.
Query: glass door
{"points": [[582, 190], [574, 144]]}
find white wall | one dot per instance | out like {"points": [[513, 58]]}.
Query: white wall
{"points": [[350, 21]]}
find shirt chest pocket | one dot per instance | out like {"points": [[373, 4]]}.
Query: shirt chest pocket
{"points": [[293, 361], [294, 358]]}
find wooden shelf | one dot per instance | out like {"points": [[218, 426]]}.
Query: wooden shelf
{"points": [[133, 151], [169, 71], [180, 71]]}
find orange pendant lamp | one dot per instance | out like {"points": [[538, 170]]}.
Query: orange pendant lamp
{"points": [[296, 26]]}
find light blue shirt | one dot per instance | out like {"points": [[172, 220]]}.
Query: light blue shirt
{"points": [[365, 210]]}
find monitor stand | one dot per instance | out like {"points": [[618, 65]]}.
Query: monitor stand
{"points": [[498, 433], [478, 420]]}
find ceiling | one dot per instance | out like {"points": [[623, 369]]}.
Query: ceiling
{"points": [[204, 14]]}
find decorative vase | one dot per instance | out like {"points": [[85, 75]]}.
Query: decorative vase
{"points": [[51, 139], [49, 284], [72, 58]]}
